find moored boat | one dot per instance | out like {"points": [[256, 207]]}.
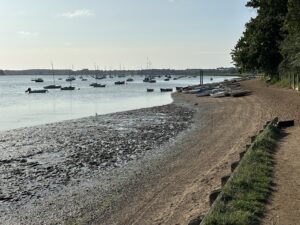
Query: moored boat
{"points": [[150, 90], [147, 79], [69, 88], [99, 85], [52, 86], [166, 89], [29, 91], [38, 80], [119, 82]]}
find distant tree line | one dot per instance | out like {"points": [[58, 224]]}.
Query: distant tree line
{"points": [[148, 72], [270, 43]]}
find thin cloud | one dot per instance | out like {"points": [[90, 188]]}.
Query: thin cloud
{"points": [[28, 34], [78, 13]]}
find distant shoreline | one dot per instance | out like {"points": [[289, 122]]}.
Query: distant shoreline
{"points": [[147, 72]]}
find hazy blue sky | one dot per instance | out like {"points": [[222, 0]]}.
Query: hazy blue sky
{"points": [[172, 33]]}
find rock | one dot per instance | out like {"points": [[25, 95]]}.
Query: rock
{"points": [[196, 221]]}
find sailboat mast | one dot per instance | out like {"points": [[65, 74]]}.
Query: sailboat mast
{"points": [[53, 73]]}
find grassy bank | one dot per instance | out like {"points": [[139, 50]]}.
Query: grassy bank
{"points": [[244, 196]]}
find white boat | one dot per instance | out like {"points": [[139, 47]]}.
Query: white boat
{"points": [[218, 94], [204, 93]]}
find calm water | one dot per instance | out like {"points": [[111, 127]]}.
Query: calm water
{"points": [[18, 109]]}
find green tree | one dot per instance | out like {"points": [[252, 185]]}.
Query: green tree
{"points": [[290, 48], [259, 47]]}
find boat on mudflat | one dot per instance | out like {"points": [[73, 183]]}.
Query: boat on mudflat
{"points": [[239, 93], [204, 93], [150, 90]]}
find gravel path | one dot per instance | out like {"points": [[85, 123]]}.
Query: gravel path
{"points": [[284, 206], [55, 172]]}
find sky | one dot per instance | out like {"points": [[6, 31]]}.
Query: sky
{"points": [[114, 34]]}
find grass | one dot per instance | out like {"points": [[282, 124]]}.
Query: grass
{"points": [[245, 195], [283, 83]]}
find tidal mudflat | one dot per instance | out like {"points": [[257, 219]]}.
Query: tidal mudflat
{"points": [[54, 172]]}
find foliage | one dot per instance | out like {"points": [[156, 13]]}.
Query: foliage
{"points": [[259, 47], [290, 47]]}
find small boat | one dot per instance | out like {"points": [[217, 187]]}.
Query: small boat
{"points": [[218, 94], [38, 80], [147, 79], [239, 93], [100, 77], [99, 85], [84, 79], [179, 88], [69, 79], [93, 84], [150, 90], [60, 78], [152, 81], [52, 86], [129, 80], [29, 91], [166, 89], [69, 88], [204, 93], [119, 82], [167, 79]]}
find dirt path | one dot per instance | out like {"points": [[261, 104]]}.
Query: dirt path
{"points": [[179, 191], [284, 207]]}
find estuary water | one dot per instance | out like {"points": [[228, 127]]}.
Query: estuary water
{"points": [[18, 109]]}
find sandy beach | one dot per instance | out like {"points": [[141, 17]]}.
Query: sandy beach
{"points": [[147, 166]]}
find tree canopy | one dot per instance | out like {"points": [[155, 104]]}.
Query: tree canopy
{"points": [[260, 47]]}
